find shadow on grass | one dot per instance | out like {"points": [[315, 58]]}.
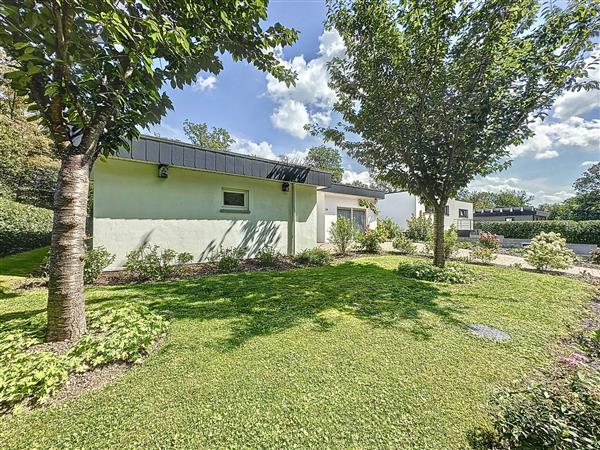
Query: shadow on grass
{"points": [[264, 303]]}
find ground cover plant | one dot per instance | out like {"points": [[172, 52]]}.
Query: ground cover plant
{"points": [[357, 355]]}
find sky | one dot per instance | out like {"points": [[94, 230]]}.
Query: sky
{"points": [[267, 119]]}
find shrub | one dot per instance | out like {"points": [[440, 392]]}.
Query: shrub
{"points": [[403, 245], [147, 263], [342, 234], [313, 257], [549, 251], [96, 260], [557, 413], [583, 232], [23, 227], [228, 258], [595, 255], [370, 241], [483, 254], [268, 256], [389, 229], [419, 228], [489, 241], [422, 270], [450, 241]]}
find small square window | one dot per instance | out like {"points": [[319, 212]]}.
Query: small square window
{"points": [[447, 210], [509, 219], [235, 200], [463, 213]]}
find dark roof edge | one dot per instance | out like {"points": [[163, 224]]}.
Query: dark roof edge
{"points": [[339, 188], [515, 211]]}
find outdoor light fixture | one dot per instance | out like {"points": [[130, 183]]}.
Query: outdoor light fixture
{"points": [[163, 171], [285, 187]]}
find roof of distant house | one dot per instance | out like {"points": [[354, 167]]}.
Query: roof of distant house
{"points": [[181, 154], [348, 189], [516, 211]]}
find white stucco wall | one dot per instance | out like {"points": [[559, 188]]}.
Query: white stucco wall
{"points": [[183, 212], [400, 206], [328, 203]]}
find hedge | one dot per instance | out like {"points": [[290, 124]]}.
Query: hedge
{"points": [[584, 232], [23, 227]]}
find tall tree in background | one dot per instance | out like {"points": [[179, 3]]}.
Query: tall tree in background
{"points": [[506, 198], [94, 71], [326, 158], [215, 138], [437, 91]]}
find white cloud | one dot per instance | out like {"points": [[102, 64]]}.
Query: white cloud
{"points": [[548, 154], [589, 163], [248, 147], [555, 197], [575, 103], [350, 177], [311, 89], [204, 83], [291, 116]]}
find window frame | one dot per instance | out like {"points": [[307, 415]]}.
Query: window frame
{"points": [[235, 208], [352, 209], [463, 213], [447, 210]]}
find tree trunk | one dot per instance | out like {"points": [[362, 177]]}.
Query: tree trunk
{"points": [[66, 302], [439, 256]]}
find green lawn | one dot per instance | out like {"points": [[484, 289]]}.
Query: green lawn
{"points": [[22, 264], [350, 356]]}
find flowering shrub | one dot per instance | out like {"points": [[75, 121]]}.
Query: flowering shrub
{"points": [[483, 254], [419, 228], [404, 245], [549, 251], [370, 241], [421, 270], [488, 240]]}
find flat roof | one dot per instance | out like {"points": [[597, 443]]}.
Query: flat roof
{"points": [[181, 154], [339, 188], [515, 211]]}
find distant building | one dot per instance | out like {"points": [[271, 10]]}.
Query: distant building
{"points": [[509, 214]]}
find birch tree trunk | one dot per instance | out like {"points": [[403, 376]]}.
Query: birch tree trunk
{"points": [[66, 302], [439, 256]]}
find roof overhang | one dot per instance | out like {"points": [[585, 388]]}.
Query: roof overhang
{"points": [[180, 154], [337, 188]]}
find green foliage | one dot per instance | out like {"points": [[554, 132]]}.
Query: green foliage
{"points": [[549, 251], [585, 232], [342, 234], [268, 256], [422, 270], [369, 204], [589, 181], [228, 258], [404, 245], [215, 139], [23, 227], [595, 255], [489, 241], [484, 254], [370, 241], [313, 257], [506, 198], [389, 229], [419, 228], [149, 263], [327, 159], [450, 241], [96, 260], [555, 413], [123, 334]]}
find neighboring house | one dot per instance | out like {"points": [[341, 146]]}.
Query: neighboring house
{"points": [[509, 214], [400, 206], [341, 200], [186, 198]]}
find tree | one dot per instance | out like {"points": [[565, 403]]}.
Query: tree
{"points": [[215, 139], [94, 72], [326, 158], [432, 94], [589, 181], [507, 198]]}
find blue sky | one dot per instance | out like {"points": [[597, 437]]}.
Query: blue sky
{"points": [[267, 118]]}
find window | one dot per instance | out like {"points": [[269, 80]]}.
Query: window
{"points": [[509, 219], [358, 217], [447, 210], [463, 213], [234, 200]]}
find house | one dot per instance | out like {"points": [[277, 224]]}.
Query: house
{"points": [[400, 206], [191, 199], [341, 200], [509, 214]]}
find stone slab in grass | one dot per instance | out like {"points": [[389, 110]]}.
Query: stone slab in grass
{"points": [[491, 333]]}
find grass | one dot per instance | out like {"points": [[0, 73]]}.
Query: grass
{"points": [[22, 264], [350, 356]]}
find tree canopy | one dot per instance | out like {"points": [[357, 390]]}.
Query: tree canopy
{"points": [[432, 94], [506, 198], [326, 158], [215, 138]]}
